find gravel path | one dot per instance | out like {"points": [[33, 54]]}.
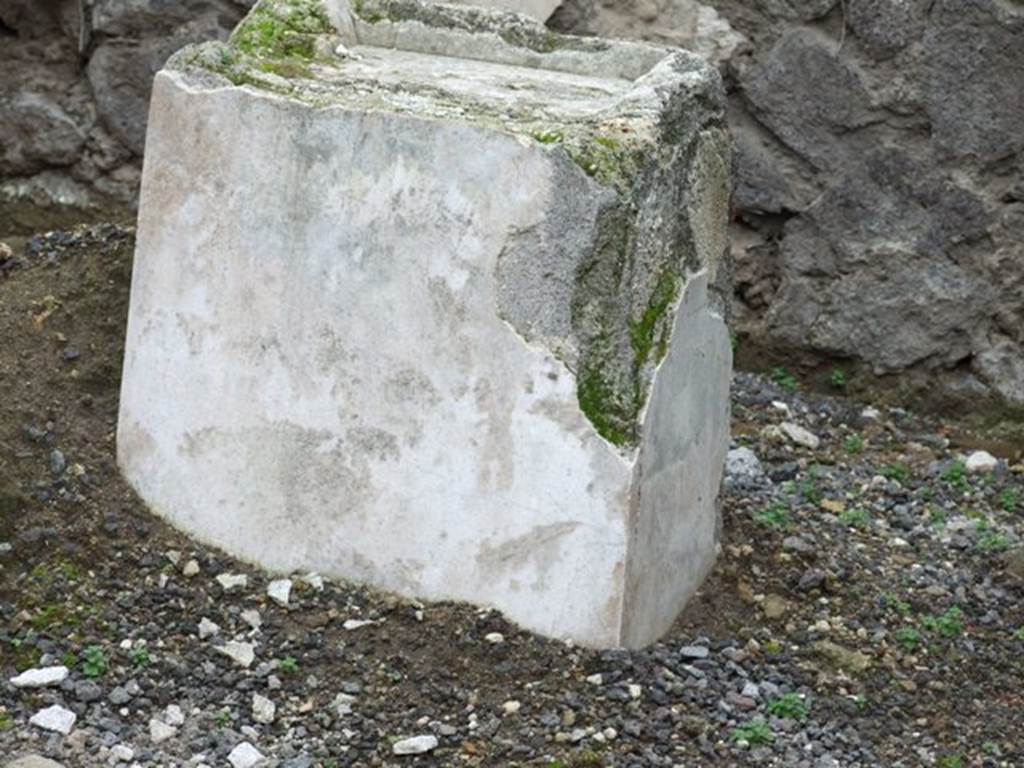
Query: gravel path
{"points": [[866, 609]]}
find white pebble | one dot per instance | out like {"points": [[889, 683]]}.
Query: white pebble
{"points": [[981, 462], [55, 718], [207, 628], [40, 678], [245, 755], [263, 709], [494, 638], [232, 581], [279, 591], [242, 654], [417, 745]]}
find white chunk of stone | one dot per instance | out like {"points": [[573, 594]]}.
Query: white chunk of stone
{"points": [[173, 715], [229, 582], [159, 731], [122, 753], [494, 638], [279, 591], [242, 654], [342, 704], [54, 718], [41, 677], [417, 745], [439, 318], [799, 436], [981, 462], [351, 624], [190, 569], [245, 755], [207, 628], [252, 617], [263, 709]]}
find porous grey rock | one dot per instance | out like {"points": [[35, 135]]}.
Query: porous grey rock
{"points": [[243, 654], [570, 319], [742, 463]]}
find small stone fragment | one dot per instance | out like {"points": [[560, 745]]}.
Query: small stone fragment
{"points": [[173, 715], [41, 677], [351, 624], [694, 652], [417, 745], [252, 618], [981, 462], [159, 731], [511, 707], [279, 591], [494, 638], [245, 755], [263, 709], [242, 654], [207, 628], [799, 436], [190, 569], [55, 718], [232, 581], [743, 464]]}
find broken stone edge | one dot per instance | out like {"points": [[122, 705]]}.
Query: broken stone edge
{"points": [[670, 125]]}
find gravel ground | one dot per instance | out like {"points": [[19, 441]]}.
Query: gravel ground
{"points": [[865, 611]]}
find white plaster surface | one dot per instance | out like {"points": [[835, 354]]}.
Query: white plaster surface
{"points": [[318, 377]]}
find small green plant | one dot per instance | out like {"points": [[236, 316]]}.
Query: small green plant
{"points": [[789, 706], [908, 637], [1009, 500], [853, 444], [734, 342], [140, 657], [898, 472], [784, 379], [950, 624], [938, 518], [6, 722], [222, 718], [950, 761], [993, 541], [956, 475], [288, 665], [774, 516], [808, 491], [889, 600], [861, 701], [773, 648], [837, 378], [754, 733], [855, 518], [69, 660], [549, 137], [94, 662], [1018, 634]]}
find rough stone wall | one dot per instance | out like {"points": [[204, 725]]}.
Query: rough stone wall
{"points": [[879, 219], [879, 211], [75, 89]]}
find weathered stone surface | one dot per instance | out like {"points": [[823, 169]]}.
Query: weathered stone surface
{"points": [[687, 23], [539, 9], [974, 66], [415, 369]]}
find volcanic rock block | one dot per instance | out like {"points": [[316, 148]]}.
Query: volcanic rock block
{"points": [[421, 299]]}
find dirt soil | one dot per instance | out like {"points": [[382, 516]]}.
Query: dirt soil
{"points": [[866, 609]]}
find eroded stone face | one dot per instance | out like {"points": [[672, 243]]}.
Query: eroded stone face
{"points": [[437, 323]]}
